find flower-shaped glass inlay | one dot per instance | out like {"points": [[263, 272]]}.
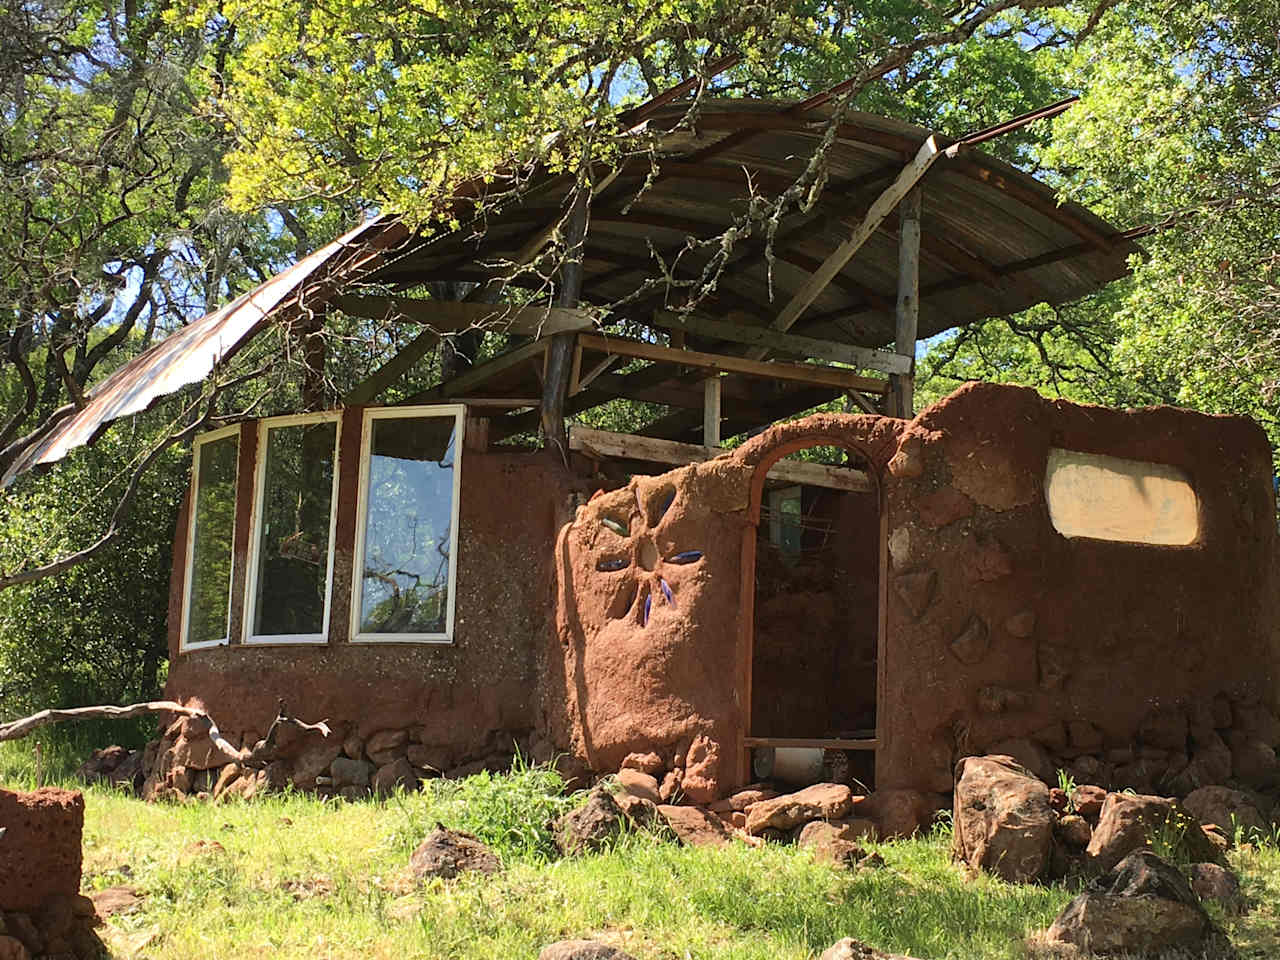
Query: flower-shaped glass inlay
{"points": [[644, 563]]}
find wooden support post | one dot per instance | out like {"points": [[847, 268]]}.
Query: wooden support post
{"points": [[555, 385], [711, 412], [902, 385]]}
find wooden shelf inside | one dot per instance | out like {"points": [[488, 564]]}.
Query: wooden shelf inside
{"points": [[822, 744]]}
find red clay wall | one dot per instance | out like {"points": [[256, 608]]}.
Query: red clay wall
{"points": [[466, 699], [999, 627]]}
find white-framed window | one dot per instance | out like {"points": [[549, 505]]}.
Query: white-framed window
{"points": [[211, 529], [289, 589], [406, 551]]}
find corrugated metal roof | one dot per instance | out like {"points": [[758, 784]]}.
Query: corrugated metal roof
{"points": [[995, 241]]}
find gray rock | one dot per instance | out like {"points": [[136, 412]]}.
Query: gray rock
{"points": [[398, 773], [590, 827], [350, 773], [447, 853], [851, 949]]}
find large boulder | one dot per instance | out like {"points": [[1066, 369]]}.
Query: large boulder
{"points": [[1132, 821], [447, 853], [1002, 818], [822, 801], [1224, 807], [1147, 906], [591, 826]]}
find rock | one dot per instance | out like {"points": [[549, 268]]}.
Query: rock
{"points": [[1253, 761], [649, 763], [944, 506], [347, 772], [1021, 624], [447, 853], [12, 948], [641, 812], [638, 784], [1210, 763], [115, 900], [900, 813], [694, 826], [743, 799], [670, 786], [822, 801], [1165, 729], [1224, 807], [1058, 800], [431, 759], [226, 776], [387, 746], [353, 746], [1029, 754], [1074, 831], [590, 827], [1215, 883], [850, 949], [1002, 819], [858, 828], [1257, 722], [101, 763], [398, 773], [23, 928], [194, 749], [1083, 736], [916, 590], [996, 699], [313, 761], [582, 950], [1087, 800], [831, 843], [701, 780], [1128, 822], [970, 645], [1148, 908]]}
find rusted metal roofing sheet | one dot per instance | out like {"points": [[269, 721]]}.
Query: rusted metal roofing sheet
{"points": [[190, 354], [994, 241]]}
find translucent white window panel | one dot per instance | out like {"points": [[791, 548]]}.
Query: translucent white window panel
{"points": [[1109, 498]]}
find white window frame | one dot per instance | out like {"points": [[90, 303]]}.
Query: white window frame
{"points": [[259, 492], [196, 445], [458, 412]]}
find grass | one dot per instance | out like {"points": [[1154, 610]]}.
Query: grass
{"points": [[293, 875]]}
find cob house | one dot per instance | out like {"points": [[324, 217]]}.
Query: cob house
{"points": [[1080, 586]]}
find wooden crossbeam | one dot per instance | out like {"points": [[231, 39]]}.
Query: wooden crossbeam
{"points": [[625, 446], [482, 373], [771, 370], [865, 357], [451, 316], [836, 260]]}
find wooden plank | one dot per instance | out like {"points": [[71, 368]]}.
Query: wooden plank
{"points": [[816, 743], [771, 370], [559, 357], [450, 316], [881, 208], [393, 369], [627, 446], [591, 375], [882, 360], [907, 316], [482, 373], [711, 412]]}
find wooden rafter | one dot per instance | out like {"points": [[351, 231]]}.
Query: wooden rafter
{"points": [[482, 373]]}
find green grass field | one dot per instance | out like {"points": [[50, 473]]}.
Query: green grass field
{"points": [[293, 876]]}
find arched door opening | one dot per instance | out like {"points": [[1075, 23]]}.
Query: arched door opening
{"points": [[816, 622]]}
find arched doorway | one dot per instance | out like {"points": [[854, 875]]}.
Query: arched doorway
{"points": [[815, 630]]}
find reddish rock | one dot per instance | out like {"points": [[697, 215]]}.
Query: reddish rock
{"points": [[226, 776], [1074, 831], [857, 828], [1021, 624], [942, 507], [670, 786], [313, 760], [1029, 754], [850, 949], [447, 853], [1084, 736], [434, 760], [40, 851], [1002, 819], [591, 826], [1165, 729], [916, 590], [1256, 721], [822, 801], [1209, 764], [353, 746], [115, 900], [101, 763], [831, 842], [194, 749], [1212, 882], [987, 560], [1087, 800], [582, 950], [649, 763], [900, 813], [1127, 822], [640, 811], [11, 948], [971, 644], [398, 773], [701, 783], [1058, 799], [386, 746], [743, 799], [1225, 807], [694, 826], [1253, 761], [638, 784]]}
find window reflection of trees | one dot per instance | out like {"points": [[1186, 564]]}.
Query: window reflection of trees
{"points": [[214, 528], [408, 532], [297, 503]]}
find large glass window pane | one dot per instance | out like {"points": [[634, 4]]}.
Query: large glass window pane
{"points": [[408, 532], [212, 529], [293, 533]]}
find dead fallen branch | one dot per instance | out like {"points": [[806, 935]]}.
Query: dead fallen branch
{"points": [[259, 754]]}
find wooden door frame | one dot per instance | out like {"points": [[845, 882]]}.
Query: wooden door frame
{"points": [[747, 587]]}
